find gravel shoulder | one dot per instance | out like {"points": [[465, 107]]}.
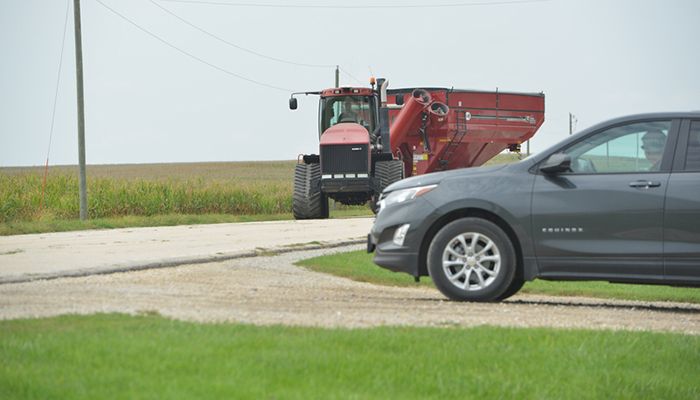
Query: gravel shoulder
{"points": [[270, 290]]}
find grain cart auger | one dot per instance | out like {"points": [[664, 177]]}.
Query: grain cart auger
{"points": [[371, 138]]}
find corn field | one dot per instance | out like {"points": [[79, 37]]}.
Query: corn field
{"points": [[154, 193]]}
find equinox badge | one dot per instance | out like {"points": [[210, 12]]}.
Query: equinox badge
{"points": [[562, 230]]}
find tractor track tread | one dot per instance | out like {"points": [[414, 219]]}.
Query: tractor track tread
{"points": [[308, 201], [385, 173], [388, 172]]}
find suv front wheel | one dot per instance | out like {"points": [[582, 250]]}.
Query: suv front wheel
{"points": [[472, 259]]}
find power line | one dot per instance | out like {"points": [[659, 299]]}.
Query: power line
{"points": [[55, 100], [374, 6], [58, 79], [227, 42], [165, 42], [349, 75], [238, 46]]}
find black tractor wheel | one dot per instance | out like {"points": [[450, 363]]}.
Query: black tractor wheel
{"points": [[308, 201], [472, 259], [385, 173]]}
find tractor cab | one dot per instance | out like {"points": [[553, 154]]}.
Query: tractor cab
{"points": [[349, 105]]}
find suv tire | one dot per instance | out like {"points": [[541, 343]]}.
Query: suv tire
{"points": [[472, 259]]}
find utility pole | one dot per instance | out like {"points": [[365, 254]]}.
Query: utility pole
{"points": [[571, 124], [81, 109], [337, 84], [572, 121]]}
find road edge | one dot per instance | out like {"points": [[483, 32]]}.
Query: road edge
{"points": [[174, 262]]}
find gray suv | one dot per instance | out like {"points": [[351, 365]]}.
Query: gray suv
{"points": [[617, 202]]}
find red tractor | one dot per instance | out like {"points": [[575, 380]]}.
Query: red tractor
{"points": [[371, 138]]}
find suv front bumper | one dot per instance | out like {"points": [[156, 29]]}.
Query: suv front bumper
{"points": [[406, 257]]}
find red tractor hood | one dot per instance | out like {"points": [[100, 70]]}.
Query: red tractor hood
{"points": [[345, 133]]}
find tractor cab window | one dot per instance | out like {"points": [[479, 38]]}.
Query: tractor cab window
{"points": [[347, 109]]}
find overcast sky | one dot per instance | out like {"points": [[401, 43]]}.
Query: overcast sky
{"points": [[147, 102]]}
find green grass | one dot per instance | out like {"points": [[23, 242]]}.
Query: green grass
{"points": [[54, 225], [117, 356], [614, 291], [358, 265]]}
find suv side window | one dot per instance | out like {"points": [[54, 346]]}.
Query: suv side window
{"points": [[692, 158], [636, 147]]}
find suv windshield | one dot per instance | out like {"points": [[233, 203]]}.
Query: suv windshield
{"points": [[337, 109]]}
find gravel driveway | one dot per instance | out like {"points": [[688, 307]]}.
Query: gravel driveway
{"points": [[267, 290]]}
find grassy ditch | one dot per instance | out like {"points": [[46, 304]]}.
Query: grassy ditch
{"points": [[117, 356], [358, 265]]}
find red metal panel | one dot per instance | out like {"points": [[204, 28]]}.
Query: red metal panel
{"points": [[497, 121], [345, 91], [345, 133]]}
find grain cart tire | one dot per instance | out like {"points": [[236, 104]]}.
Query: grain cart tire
{"points": [[385, 173], [472, 259], [308, 202]]}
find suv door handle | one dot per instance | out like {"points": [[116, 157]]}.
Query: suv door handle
{"points": [[644, 184]]}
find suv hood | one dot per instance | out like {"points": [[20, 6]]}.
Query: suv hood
{"points": [[437, 177]]}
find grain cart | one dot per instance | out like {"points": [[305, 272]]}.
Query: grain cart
{"points": [[371, 138]]}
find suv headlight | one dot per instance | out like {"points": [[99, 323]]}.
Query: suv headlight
{"points": [[399, 196]]}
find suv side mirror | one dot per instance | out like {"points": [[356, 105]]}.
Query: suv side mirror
{"points": [[399, 99], [292, 103], [556, 163]]}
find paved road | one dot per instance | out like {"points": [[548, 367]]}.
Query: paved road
{"points": [[50, 255]]}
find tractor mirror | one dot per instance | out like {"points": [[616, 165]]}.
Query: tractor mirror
{"points": [[399, 99], [292, 103]]}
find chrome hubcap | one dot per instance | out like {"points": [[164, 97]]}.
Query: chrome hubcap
{"points": [[471, 261]]}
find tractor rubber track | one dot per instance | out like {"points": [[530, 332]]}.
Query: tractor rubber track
{"points": [[388, 172], [385, 173], [308, 202]]}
